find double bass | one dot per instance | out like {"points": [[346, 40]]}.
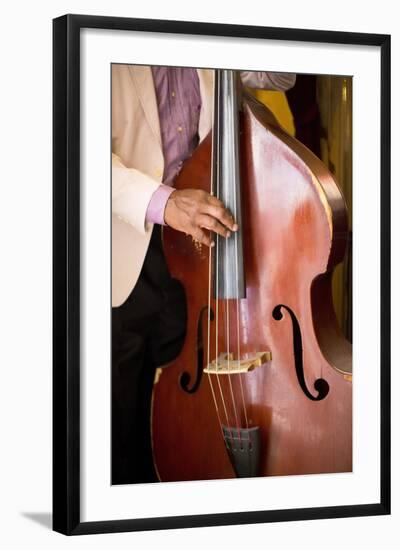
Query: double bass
{"points": [[263, 384]]}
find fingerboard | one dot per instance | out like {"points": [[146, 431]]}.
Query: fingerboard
{"points": [[228, 253]]}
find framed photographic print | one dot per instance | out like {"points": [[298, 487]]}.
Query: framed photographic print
{"points": [[221, 274]]}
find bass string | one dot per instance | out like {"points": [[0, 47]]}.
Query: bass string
{"points": [[214, 151], [230, 152], [230, 145], [233, 152], [208, 346], [221, 390], [238, 327], [216, 345], [227, 339]]}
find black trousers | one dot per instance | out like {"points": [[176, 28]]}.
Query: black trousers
{"points": [[148, 331]]}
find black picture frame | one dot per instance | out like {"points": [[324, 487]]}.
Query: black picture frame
{"points": [[66, 273]]}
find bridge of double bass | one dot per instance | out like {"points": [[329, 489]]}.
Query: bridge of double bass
{"points": [[226, 364]]}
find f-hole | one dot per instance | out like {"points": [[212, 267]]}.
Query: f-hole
{"points": [[185, 377], [321, 386]]}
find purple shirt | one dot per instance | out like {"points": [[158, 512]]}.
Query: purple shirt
{"points": [[179, 103]]}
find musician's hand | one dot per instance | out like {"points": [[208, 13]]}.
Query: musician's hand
{"points": [[192, 211]]}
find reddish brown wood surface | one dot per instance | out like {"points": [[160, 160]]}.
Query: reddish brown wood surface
{"points": [[294, 232]]}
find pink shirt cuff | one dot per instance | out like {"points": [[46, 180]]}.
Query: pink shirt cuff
{"points": [[158, 201]]}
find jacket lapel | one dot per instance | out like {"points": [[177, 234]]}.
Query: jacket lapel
{"points": [[206, 81], [142, 79]]}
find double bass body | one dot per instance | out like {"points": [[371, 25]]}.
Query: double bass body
{"points": [[294, 231]]}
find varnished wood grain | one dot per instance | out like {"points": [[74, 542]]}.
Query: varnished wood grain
{"points": [[294, 232]]}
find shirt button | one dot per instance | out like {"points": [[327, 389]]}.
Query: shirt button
{"points": [[179, 128], [173, 94]]}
